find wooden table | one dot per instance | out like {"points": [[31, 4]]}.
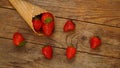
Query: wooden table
{"points": [[92, 17]]}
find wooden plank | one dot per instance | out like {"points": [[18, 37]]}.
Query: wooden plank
{"points": [[30, 56], [12, 22], [96, 12], [6, 4]]}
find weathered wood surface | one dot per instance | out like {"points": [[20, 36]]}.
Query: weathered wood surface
{"points": [[103, 12], [30, 57], [110, 35], [106, 56]]}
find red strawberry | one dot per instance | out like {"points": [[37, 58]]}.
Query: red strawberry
{"points": [[18, 39], [48, 23], [70, 52], [69, 26], [37, 24], [95, 42], [48, 28], [47, 51], [47, 17]]}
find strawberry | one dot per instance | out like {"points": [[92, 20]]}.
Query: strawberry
{"points": [[70, 52], [37, 24], [47, 51], [48, 23], [18, 39], [69, 26], [95, 42], [47, 17], [48, 28]]}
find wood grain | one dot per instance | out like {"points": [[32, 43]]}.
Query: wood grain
{"points": [[5, 4], [101, 12], [30, 56], [90, 11], [12, 22], [92, 17]]}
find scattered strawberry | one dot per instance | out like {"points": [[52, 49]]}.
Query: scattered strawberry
{"points": [[47, 51], [69, 26], [48, 23], [37, 24], [95, 42], [70, 52], [18, 39]]}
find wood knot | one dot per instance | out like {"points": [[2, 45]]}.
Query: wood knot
{"points": [[83, 38]]}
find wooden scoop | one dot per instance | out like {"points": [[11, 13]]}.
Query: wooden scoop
{"points": [[27, 11]]}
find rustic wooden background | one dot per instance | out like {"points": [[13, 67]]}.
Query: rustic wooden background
{"points": [[92, 17]]}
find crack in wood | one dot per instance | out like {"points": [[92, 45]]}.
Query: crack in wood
{"points": [[111, 20], [6, 7], [99, 55], [88, 22]]}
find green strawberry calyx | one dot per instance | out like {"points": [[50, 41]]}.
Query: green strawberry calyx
{"points": [[22, 43], [48, 20]]}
